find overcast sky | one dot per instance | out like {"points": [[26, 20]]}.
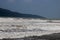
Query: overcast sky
{"points": [[46, 8]]}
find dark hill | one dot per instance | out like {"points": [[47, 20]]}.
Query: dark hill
{"points": [[8, 13]]}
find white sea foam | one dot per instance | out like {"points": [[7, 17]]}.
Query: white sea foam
{"points": [[9, 27]]}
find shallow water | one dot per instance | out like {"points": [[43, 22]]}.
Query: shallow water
{"points": [[27, 28]]}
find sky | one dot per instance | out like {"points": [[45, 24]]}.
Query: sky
{"points": [[45, 8]]}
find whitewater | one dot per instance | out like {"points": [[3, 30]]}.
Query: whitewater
{"points": [[19, 28]]}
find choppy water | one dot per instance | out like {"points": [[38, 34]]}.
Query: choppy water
{"points": [[22, 29]]}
